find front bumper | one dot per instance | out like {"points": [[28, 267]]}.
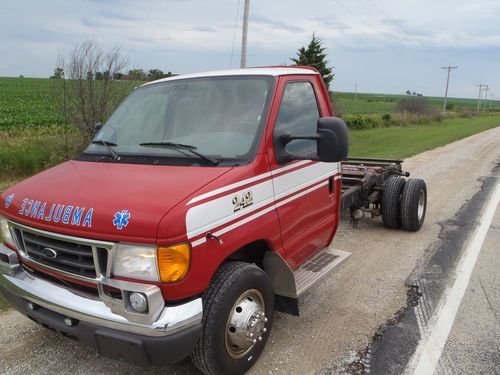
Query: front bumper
{"points": [[171, 337]]}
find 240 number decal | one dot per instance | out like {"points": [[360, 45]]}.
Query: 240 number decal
{"points": [[245, 200]]}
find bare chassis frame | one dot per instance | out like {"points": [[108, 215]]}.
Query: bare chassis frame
{"points": [[363, 181]]}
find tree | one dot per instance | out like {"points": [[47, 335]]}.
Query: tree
{"points": [[314, 55], [58, 73], [138, 74], [155, 74], [85, 100]]}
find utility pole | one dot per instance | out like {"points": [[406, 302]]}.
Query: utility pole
{"points": [[486, 97], [481, 85], [244, 35], [355, 91], [449, 68], [491, 99]]}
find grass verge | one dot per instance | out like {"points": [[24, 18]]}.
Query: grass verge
{"points": [[404, 141], [3, 303], [26, 151]]}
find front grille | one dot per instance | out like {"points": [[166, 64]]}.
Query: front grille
{"points": [[70, 257], [82, 258]]}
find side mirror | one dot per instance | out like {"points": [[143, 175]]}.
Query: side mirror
{"points": [[331, 137], [97, 127], [333, 142]]}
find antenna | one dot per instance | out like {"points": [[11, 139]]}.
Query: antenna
{"points": [[65, 118]]}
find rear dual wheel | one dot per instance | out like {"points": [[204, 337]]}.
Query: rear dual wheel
{"points": [[413, 204], [390, 206], [404, 203]]}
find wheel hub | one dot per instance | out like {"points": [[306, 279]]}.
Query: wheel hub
{"points": [[246, 324], [421, 205]]}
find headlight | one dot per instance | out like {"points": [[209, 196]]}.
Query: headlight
{"points": [[168, 264], [136, 262], [5, 231]]}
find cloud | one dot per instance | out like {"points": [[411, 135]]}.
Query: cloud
{"points": [[275, 24], [363, 41]]}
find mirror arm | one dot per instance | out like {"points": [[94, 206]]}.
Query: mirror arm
{"points": [[287, 138]]}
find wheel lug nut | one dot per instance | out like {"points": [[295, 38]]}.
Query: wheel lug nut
{"points": [[264, 330], [254, 341], [260, 338], [265, 320], [251, 335]]}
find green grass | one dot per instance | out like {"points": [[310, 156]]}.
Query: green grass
{"points": [[403, 141], [385, 103], [3, 303], [26, 151]]}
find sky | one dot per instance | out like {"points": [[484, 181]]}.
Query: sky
{"points": [[383, 46]]}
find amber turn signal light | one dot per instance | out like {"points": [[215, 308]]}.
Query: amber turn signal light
{"points": [[173, 262]]}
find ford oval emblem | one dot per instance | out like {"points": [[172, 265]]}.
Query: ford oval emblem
{"points": [[49, 253]]}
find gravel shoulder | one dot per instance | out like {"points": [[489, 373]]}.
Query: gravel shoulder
{"points": [[339, 316]]}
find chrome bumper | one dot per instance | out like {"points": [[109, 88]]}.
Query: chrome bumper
{"points": [[168, 320]]}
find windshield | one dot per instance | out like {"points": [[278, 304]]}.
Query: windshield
{"points": [[220, 117]]}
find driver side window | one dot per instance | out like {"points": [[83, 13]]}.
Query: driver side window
{"points": [[298, 115]]}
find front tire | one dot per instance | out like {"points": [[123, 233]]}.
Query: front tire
{"points": [[238, 310]]}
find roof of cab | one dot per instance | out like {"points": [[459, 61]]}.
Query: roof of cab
{"points": [[266, 71]]}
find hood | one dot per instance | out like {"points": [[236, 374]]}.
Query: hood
{"points": [[109, 201]]}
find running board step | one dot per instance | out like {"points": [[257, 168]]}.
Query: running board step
{"points": [[317, 267]]}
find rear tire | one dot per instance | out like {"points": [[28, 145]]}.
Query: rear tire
{"points": [[413, 204], [240, 294], [390, 206]]}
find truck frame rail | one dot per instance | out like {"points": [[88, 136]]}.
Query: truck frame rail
{"points": [[363, 182]]}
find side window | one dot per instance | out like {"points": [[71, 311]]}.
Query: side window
{"points": [[298, 115]]}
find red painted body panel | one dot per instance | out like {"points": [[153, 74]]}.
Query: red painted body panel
{"points": [[307, 223], [148, 192], [160, 197]]}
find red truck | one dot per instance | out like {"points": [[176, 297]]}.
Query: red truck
{"points": [[203, 204]]}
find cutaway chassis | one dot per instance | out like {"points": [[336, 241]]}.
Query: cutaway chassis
{"points": [[363, 181]]}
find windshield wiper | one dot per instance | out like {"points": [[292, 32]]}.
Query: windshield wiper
{"points": [[180, 146], [108, 147]]}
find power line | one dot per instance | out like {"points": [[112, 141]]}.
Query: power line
{"points": [[486, 97], [449, 68], [406, 34], [481, 85], [389, 36], [234, 34]]}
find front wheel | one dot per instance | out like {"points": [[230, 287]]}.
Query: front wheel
{"points": [[238, 310]]}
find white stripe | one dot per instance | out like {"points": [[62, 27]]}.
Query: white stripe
{"points": [[429, 349], [302, 193], [258, 214], [297, 180], [245, 182], [217, 212], [214, 213]]}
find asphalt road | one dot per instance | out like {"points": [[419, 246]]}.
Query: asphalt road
{"points": [[365, 298], [454, 327]]}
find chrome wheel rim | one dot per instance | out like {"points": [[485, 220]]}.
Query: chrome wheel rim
{"points": [[421, 205], [246, 324]]}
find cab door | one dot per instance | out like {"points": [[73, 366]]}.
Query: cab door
{"points": [[304, 190]]}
